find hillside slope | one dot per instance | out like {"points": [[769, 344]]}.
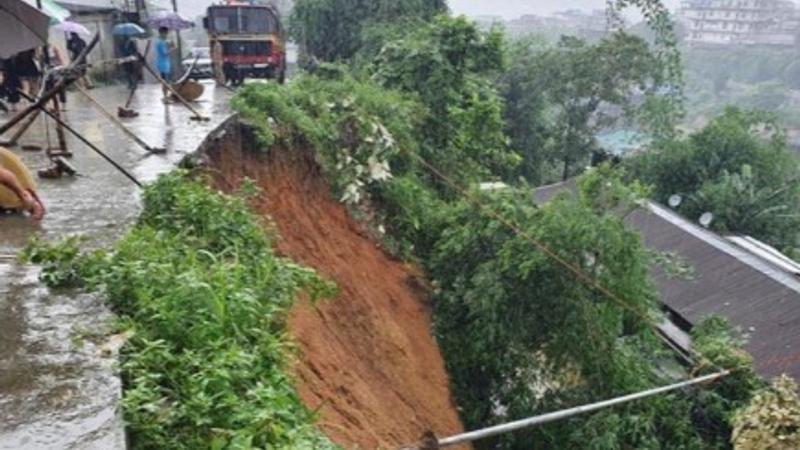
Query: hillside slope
{"points": [[368, 361]]}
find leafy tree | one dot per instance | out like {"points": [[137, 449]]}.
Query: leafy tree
{"points": [[331, 29], [559, 97], [739, 168], [447, 65], [772, 420], [521, 335]]}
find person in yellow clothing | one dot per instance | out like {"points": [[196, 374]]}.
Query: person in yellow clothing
{"points": [[17, 187]]}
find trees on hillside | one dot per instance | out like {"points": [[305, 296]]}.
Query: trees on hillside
{"points": [[558, 97], [738, 168], [522, 334], [331, 29], [447, 65]]}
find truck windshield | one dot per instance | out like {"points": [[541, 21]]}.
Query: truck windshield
{"points": [[242, 20]]}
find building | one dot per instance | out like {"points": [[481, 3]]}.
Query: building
{"points": [[592, 25], [751, 284], [98, 16], [740, 22]]}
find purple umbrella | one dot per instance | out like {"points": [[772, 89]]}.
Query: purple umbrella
{"points": [[169, 20], [72, 27]]}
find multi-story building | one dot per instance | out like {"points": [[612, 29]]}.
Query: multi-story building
{"points": [[740, 22]]}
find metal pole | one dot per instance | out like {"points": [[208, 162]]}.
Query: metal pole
{"points": [[558, 415], [117, 123], [178, 33]]}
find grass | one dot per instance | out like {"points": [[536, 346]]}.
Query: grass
{"points": [[197, 282]]}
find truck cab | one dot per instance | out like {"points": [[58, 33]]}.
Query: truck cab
{"points": [[246, 41]]}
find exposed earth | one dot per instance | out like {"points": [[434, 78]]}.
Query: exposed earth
{"points": [[367, 362]]}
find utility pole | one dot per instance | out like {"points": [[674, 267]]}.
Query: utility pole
{"points": [[141, 8], [178, 32]]}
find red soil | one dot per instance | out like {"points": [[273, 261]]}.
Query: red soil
{"points": [[369, 363]]}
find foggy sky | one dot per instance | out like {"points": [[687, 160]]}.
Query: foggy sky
{"points": [[506, 8], [515, 8]]}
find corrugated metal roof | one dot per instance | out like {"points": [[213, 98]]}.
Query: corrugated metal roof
{"points": [[758, 296]]}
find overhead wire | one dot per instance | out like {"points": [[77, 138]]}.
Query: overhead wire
{"points": [[547, 251]]}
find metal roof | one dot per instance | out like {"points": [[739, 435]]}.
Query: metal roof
{"points": [[749, 288]]}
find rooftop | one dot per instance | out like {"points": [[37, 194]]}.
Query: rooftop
{"points": [[751, 284]]}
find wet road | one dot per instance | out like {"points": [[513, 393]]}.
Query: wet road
{"points": [[57, 390]]}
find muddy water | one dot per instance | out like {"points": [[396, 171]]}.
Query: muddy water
{"points": [[57, 389]]}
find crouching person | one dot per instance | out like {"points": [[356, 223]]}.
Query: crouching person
{"points": [[17, 187]]}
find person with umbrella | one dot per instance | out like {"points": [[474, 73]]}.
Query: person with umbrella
{"points": [[166, 21], [75, 46], [127, 32], [163, 59]]}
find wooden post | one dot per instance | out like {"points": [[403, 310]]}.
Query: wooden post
{"points": [[62, 139], [22, 129]]}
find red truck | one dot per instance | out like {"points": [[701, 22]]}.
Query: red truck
{"points": [[246, 41]]}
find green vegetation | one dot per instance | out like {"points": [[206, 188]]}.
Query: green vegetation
{"points": [[356, 127], [750, 78], [536, 308], [331, 29], [738, 168], [525, 335], [521, 333], [447, 65], [771, 418], [559, 97], [198, 284]]}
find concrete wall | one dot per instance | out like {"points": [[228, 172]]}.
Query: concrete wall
{"points": [[102, 23]]}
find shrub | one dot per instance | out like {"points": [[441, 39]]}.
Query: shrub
{"points": [[207, 299]]}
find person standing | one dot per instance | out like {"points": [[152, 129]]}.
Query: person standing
{"points": [[10, 84], [75, 46], [28, 72], [163, 58], [131, 68]]}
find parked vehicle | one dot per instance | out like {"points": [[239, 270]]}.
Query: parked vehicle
{"points": [[199, 62], [246, 41]]}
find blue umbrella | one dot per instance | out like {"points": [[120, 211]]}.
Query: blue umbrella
{"points": [[128, 30]]}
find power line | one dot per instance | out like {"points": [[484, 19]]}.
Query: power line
{"points": [[576, 271]]}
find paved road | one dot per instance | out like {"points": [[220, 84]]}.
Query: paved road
{"points": [[56, 390]]}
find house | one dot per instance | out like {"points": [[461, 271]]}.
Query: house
{"points": [[740, 22], [752, 285]]}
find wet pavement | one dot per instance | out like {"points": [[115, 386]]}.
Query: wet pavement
{"points": [[57, 388]]}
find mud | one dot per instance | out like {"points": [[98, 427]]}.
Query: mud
{"points": [[368, 362]]}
